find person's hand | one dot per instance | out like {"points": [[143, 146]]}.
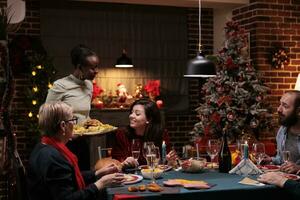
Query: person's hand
{"points": [[274, 178], [186, 164], [130, 162], [110, 180], [112, 168], [171, 156], [289, 167], [266, 160]]}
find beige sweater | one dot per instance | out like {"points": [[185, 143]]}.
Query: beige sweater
{"points": [[74, 92]]}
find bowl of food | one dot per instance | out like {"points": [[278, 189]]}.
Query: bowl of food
{"points": [[193, 165], [147, 173]]}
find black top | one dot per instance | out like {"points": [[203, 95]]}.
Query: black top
{"points": [[293, 187], [50, 176]]}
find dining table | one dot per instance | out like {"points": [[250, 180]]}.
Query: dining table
{"points": [[223, 186]]}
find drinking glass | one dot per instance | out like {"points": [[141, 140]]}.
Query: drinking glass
{"points": [[259, 152], [151, 159], [213, 147], [157, 156], [146, 147], [135, 149], [286, 156]]}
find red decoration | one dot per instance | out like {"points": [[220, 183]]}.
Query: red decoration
{"points": [[159, 104], [96, 90], [99, 104], [153, 88]]}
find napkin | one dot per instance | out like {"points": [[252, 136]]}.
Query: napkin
{"points": [[245, 167], [249, 181]]}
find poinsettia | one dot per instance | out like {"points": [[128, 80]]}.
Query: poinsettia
{"points": [[97, 90], [153, 88]]}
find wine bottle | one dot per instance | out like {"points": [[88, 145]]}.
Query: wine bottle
{"points": [[224, 155]]}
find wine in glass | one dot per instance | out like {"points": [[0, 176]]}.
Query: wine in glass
{"points": [[259, 152], [151, 159], [213, 147], [136, 149]]}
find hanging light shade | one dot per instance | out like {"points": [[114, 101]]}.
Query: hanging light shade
{"points": [[124, 61], [200, 67]]}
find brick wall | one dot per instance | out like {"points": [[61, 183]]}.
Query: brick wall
{"points": [[273, 23], [30, 26]]}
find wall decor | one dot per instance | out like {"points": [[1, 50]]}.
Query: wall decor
{"points": [[279, 57]]}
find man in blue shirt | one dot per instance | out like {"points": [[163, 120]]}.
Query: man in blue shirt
{"points": [[288, 135]]}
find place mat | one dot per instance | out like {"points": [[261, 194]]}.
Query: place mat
{"points": [[124, 190]]}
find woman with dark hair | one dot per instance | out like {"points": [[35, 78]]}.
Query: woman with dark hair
{"points": [[76, 90], [144, 124], [53, 171]]}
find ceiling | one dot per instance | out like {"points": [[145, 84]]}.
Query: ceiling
{"points": [[180, 3]]}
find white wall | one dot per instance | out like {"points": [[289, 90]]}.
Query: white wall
{"points": [[221, 16]]}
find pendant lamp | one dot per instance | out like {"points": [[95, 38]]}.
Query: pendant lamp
{"points": [[200, 67], [124, 61]]}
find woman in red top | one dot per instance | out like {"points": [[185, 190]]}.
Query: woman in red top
{"points": [[144, 124]]}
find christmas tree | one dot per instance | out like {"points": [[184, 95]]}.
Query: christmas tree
{"points": [[235, 98]]}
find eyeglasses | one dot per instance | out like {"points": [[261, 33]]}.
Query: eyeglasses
{"points": [[74, 120]]}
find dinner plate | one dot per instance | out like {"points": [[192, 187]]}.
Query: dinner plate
{"points": [[132, 178], [291, 176], [269, 168]]}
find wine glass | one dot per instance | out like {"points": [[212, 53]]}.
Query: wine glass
{"points": [[259, 152], [286, 156], [135, 149], [213, 147], [157, 155], [147, 145], [151, 159]]}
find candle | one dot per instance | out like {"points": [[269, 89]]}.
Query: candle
{"points": [[163, 151], [246, 147], [197, 149]]}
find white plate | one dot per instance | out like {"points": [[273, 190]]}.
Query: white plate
{"points": [[136, 179]]}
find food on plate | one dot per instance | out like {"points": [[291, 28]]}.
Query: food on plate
{"points": [[187, 183], [91, 122], [268, 168], [106, 162], [142, 188], [133, 189], [92, 126], [129, 177], [153, 187], [148, 173], [291, 176]]}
